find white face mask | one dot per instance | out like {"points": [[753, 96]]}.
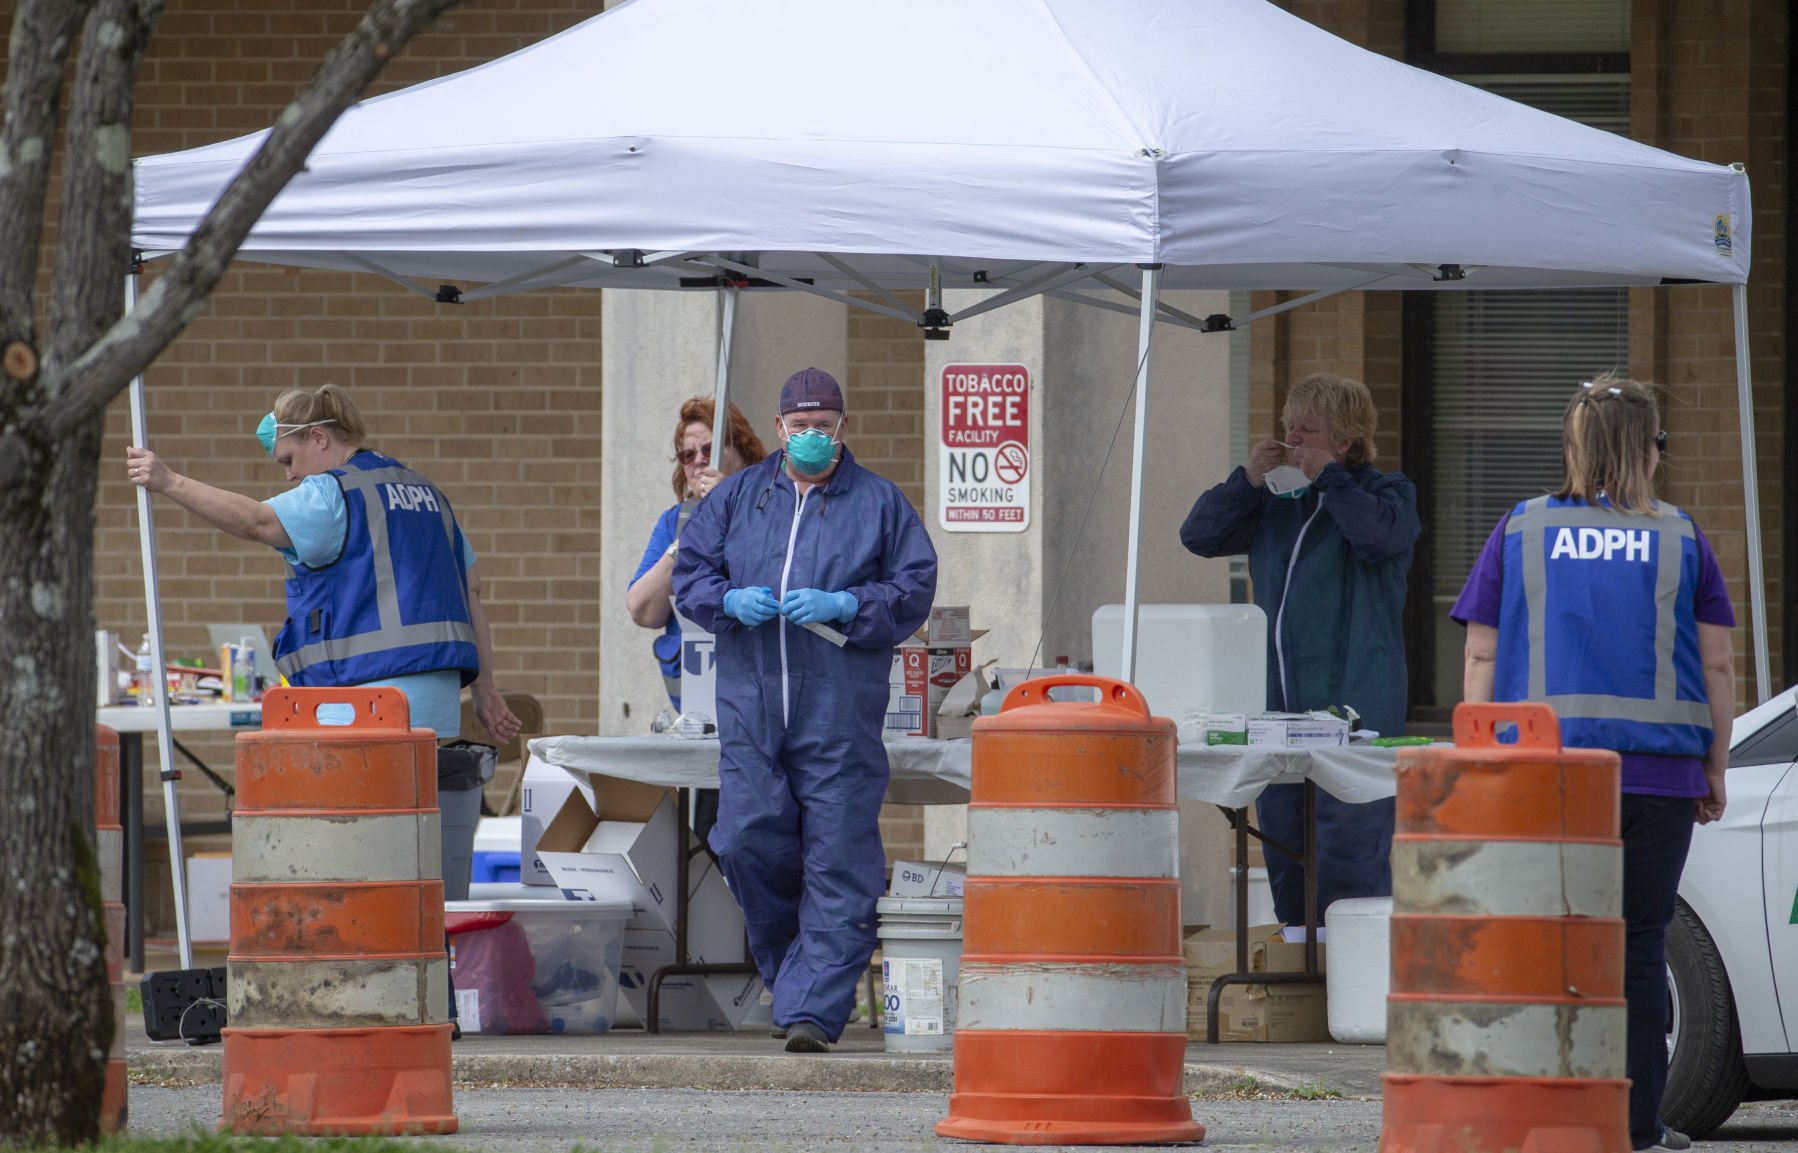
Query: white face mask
{"points": [[1288, 481]]}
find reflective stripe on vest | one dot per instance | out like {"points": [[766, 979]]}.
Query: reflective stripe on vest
{"points": [[372, 485], [1592, 532]]}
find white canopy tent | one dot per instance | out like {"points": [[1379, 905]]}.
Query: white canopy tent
{"points": [[1028, 146]]}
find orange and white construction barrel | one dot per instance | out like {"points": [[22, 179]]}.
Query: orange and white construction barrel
{"points": [[337, 980], [1072, 1025], [109, 858], [1505, 1024]]}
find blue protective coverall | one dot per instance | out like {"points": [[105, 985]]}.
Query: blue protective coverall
{"points": [[803, 769], [1335, 637]]}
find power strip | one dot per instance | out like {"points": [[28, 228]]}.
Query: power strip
{"points": [[185, 1005]]}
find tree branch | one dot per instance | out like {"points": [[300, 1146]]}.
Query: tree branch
{"points": [[93, 249], [43, 35], [178, 295]]}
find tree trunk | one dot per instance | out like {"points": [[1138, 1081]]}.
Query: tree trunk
{"points": [[56, 1014], [57, 1023]]}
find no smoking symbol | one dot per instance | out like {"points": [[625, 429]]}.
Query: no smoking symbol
{"points": [[1011, 462]]}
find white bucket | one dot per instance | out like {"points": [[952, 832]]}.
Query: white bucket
{"points": [[1360, 971], [920, 962]]}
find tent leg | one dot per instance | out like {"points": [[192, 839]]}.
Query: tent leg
{"points": [[1751, 499], [1151, 288], [727, 323], [165, 739]]}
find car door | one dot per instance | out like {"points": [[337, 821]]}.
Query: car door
{"points": [[1779, 882]]}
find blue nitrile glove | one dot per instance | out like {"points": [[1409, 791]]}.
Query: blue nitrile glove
{"points": [[812, 606], [752, 606]]}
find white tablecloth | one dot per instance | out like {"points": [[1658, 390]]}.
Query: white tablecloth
{"points": [[929, 772]]}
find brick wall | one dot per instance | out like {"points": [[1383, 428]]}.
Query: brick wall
{"points": [[1710, 82], [499, 401]]}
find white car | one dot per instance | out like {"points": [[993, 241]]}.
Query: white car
{"points": [[1732, 950]]}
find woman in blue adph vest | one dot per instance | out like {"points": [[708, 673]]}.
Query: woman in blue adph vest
{"points": [[382, 587], [1609, 606], [650, 598]]}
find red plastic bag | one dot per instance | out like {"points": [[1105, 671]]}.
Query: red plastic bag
{"points": [[491, 959]]}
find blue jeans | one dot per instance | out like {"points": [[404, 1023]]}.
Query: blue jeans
{"points": [[1657, 831], [1354, 849]]}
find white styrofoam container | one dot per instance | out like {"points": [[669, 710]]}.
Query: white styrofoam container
{"points": [[1359, 975], [570, 962], [1189, 658]]}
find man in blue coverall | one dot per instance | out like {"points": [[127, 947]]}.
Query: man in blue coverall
{"points": [[808, 569]]}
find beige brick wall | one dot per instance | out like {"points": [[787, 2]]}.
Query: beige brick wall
{"points": [[499, 402], [1709, 82]]}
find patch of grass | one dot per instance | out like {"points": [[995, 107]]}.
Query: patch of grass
{"points": [[134, 999], [1316, 1091]]}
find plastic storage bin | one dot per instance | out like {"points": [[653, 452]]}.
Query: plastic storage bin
{"points": [[536, 966]]}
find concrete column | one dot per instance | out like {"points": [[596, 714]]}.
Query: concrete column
{"points": [[1036, 590], [657, 349]]}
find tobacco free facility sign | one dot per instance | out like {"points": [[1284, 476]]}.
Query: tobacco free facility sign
{"points": [[984, 474]]}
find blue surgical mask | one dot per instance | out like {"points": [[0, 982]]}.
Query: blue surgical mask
{"points": [[270, 430], [811, 450]]}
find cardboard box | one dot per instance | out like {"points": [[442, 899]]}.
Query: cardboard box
{"points": [[1273, 1013], [1226, 729], [540, 797], [948, 626], [922, 675], [615, 840], [698, 669], [715, 1003], [1297, 729], [1211, 953], [209, 897], [916, 879]]}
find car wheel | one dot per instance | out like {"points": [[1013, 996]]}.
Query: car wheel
{"points": [[1706, 1077]]}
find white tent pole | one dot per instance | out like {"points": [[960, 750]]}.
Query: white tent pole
{"points": [[1151, 288], [1751, 498], [159, 681], [727, 321]]}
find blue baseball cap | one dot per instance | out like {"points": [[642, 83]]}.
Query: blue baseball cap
{"points": [[811, 388]]}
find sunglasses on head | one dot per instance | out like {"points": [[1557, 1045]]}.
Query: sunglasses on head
{"points": [[697, 452]]}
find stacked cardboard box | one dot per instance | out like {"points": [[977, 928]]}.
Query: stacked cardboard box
{"points": [[925, 667], [1278, 1012], [613, 839]]}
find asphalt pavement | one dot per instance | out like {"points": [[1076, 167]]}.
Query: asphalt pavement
{"points": [[628, 1091], [750, 1059]]}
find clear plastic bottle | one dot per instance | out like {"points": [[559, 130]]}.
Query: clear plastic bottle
{"points": [[243, 670], [143, 678]]}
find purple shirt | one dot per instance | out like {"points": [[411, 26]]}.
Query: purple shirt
{"points": [[1642, 772]]}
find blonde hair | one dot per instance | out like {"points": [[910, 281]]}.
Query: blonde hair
{"points": [[1606, 432], [1346, 408], [327, 402]]}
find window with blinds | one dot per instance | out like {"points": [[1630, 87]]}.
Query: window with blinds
{"points": [[1501, 368], [1477, 26]]}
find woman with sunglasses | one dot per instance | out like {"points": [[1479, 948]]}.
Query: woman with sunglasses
{"points": [[650, 597], [1609, 606]]}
